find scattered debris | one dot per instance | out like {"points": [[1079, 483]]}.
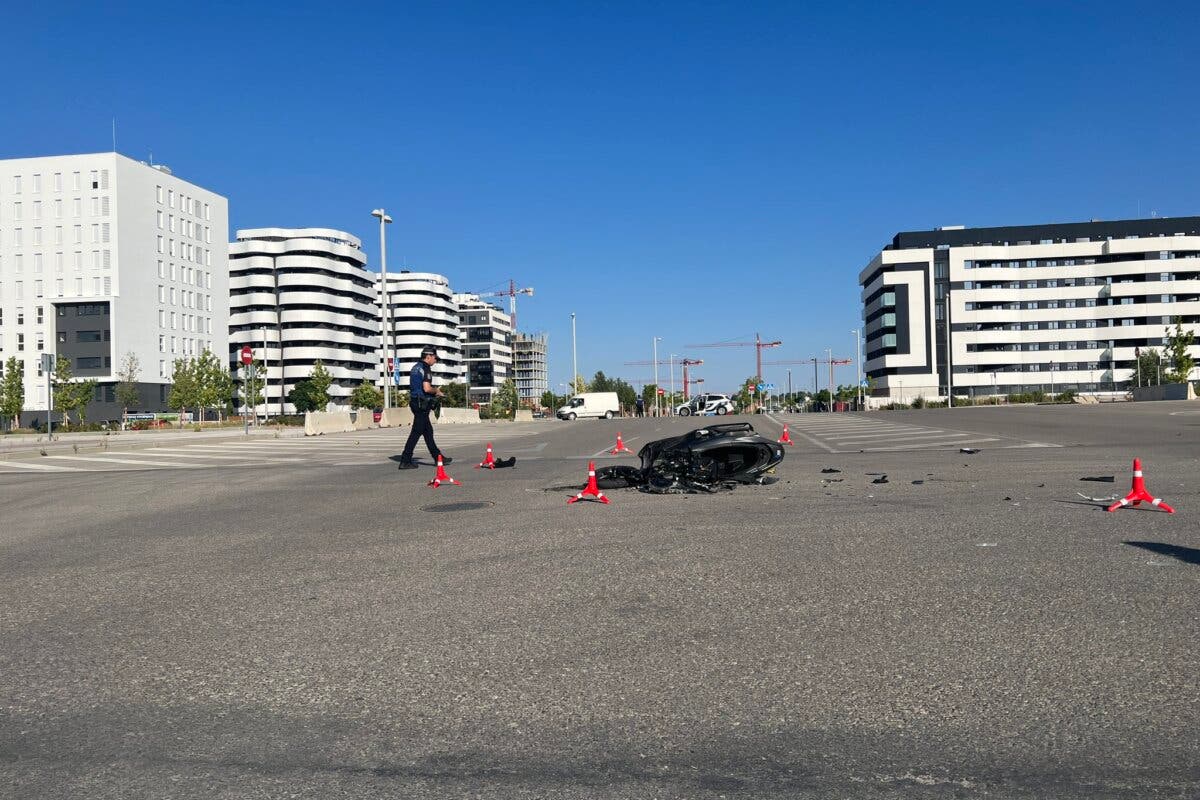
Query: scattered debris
{"points": [[986, 544], [1108, 499], [968, 450], [1007, 498], [1100, 478], [880, 479], [43, 452], [1041, 486], [918, 483], [829, 471], [502, 463]]}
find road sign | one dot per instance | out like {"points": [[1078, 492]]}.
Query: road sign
{"points": [[662, 391], [390, 367], [770, 386], [47, 362], [247, 355], [761, 386]]}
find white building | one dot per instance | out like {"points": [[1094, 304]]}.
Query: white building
{"points": [[487, 352], [530, 369], [422, 313], [102, 256], [1031, 308], [298, 296]]}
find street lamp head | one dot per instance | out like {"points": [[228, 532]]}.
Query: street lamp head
{"points": [[379, 213]]}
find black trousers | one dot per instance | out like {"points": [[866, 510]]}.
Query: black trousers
{"points": [[422, 426]]}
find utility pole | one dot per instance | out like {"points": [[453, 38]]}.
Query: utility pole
{"points": [[386, 310], [829, 360], [574, 362]]}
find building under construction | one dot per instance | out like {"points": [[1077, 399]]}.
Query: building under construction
{"points": [[529, 368]]}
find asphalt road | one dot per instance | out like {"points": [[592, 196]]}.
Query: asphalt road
{"points": [[306, 630]]}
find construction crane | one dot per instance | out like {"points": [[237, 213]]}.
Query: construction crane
{"points": [[686, 362], [831, 361], [758, 344], [511, 293]]}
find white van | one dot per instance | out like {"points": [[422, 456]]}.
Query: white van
{"points": [[591, 404]]}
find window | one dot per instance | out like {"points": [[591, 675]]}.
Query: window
{"points": [[77, 259], [104, 206], [162, 343], [37, 262], [161, 294], [39, 315], [89, 362], [75, 181], [16, 184], [18, 237], [58, 181], [171, 197], [20, 342], [17, 211], [58, 209], [96, 287], [162, 318], [1089, 302], [20, 316], [96, 233], [160, 244], [89, 336], [79, 287], [172, 295], [158, 194], [105, 232], [37, 288], [58, 287], [161, 270], [160, 219], [58, 236], [77, 207]]}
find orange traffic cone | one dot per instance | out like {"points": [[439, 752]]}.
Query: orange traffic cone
{"points": [[591, 490], [489, 460], [620, 448], [442, 477], [1138, 493], [785, 439]]}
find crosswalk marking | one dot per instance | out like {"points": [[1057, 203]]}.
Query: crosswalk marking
{"points": [[347, 449], [36, 467], [849, 433], [111, 460]]}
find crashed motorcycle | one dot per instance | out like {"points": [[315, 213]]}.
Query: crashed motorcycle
{"points": [[705, 460]]}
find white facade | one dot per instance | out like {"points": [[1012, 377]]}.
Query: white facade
{"points": [[1032, 308], [486, 337], [105, 231], [422, 313], [530, 368], [298, 296]]}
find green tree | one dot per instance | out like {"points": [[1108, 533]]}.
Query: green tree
{"points": [[550, 399], [455, 395], [601, 383], [185, 388], [303, 397], [127, 379], [649, 392], [213, 382], [744, 399], [320, 380], [1178, 342], [12, 392], [579, 385], [626, 394], [504, 401], [365, 395], [71, 395], [1147, 369]]}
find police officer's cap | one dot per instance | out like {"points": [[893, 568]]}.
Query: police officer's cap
{"points": [[428, 351]]}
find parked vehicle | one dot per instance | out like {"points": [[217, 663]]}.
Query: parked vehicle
{"points": [[591, 404], [719, 404]]}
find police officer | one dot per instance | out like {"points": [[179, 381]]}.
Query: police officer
{"points": [[422, 399]]}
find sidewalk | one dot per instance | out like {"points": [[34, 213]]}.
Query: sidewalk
{"points": [[24, 443]]}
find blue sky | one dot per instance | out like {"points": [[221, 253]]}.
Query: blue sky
{"points": [[697, 171]]}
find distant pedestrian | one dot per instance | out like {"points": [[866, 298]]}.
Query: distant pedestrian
{"points": [[641, 407], [423, 399]]}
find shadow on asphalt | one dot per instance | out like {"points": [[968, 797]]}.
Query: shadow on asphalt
{"points": [[1188, 555]]}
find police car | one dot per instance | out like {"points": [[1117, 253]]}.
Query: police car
{"points": [[718, 404]]}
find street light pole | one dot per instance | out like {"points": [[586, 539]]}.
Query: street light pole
{"points": [[574, 362], [672, 368], [829, 361], [385, 298], [858, 360], [657, 406]]}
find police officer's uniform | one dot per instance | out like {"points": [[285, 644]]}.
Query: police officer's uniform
{"points": [[419, 401]]}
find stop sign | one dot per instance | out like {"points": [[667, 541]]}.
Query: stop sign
{"points": [[247, 355]]}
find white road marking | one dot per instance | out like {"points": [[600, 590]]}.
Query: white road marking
{"points": [[43, 467], [124, 461]]}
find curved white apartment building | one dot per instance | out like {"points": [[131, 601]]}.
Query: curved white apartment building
{"points": [[423, 313], [299, 295], [1026, 308]]}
